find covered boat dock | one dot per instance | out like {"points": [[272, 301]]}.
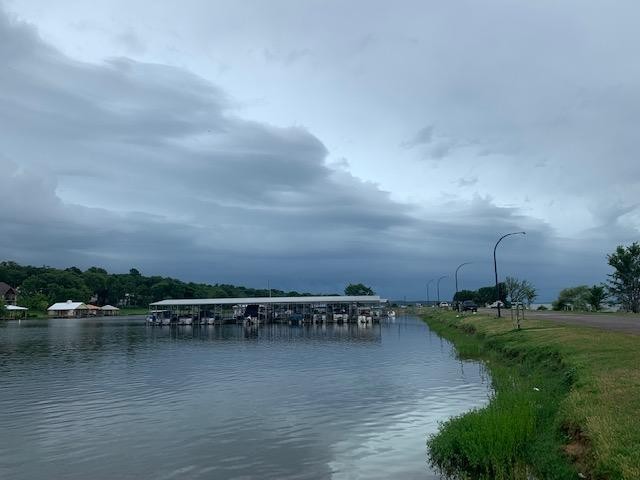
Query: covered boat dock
{"points": [[316, 309]]}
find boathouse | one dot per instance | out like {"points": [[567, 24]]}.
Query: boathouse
{"points": [[110, 310], [325, 308], [68, 309], [13, 312]]}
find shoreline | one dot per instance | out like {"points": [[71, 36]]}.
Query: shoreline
{"points": [[553, 414], [133, 312]]}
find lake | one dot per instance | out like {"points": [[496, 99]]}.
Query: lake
{"points": [[113, 398]]}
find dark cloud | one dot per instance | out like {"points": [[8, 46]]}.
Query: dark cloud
{"points": [[153, 165], [126, 163]]}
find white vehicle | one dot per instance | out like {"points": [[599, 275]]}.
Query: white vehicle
{"points": [[444, 305], [496, 304]]}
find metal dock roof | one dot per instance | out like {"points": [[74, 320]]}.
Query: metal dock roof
{"points": [[263, 300]]}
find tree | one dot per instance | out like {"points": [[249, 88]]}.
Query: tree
{"points": [[97, 284], [597, 295], [624, 282], [2, 308], [37, 302], [358, 289], [488, 295], [574, 297], [57, 285], [530, 293], [45, 285], [520, 290], [463, 295]]}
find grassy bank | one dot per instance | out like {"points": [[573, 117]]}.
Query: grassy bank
{"points": [[134, 311], [567, 401]]}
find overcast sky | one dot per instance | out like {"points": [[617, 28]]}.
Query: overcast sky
{"points": [[313, 143]]}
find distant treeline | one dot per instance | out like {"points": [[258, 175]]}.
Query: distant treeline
{"points": [[484, 295], [39, 287]]}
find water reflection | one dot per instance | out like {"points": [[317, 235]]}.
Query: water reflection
{"points": [[116, 398]]}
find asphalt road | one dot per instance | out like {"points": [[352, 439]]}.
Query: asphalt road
{"points": [[629, 323]]}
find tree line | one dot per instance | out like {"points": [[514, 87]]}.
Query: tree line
{"points": [[512, 291], [622, 287], [39, 287]]}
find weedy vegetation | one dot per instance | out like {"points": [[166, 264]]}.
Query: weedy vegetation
{"points": [[566, 402]]}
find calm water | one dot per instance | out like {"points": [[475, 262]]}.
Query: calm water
{"points": [[115, 399]]}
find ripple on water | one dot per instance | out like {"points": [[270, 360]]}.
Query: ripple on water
{"points": [[91, 398]]}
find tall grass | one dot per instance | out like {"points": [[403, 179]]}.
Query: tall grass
{"points": [[517, 434]]}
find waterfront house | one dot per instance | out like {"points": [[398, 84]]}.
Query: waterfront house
{"points": [[8, 293], [68, 309], [110, 310]]}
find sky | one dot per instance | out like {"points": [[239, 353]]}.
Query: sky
{"points": [[309, 144]]}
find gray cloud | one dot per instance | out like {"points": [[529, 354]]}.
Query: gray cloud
{"points": [[286, 58], [153, 164], [131, 41], [422, 137], [129, 163], [468, 181]]}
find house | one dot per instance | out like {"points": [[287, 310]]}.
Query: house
{"points": [[8, 294], [110, 310], [68, 309]]}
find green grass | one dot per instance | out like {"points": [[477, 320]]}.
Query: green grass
{"points": [[567, 400], [134, 311]]}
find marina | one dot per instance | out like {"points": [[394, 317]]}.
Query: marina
{"points": [[364, 309]]}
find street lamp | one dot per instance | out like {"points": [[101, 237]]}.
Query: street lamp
{"points": [[438, 285], [429, 283], [459, 267], [495, 265]]}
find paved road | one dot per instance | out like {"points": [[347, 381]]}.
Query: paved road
{"points": [[629, 323]]}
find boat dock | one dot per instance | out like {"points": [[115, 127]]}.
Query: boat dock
{"points": [[292, 310]]}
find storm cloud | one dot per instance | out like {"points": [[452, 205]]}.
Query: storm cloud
{"points": [[144, 162]]}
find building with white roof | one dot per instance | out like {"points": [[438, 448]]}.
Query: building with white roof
{"points": [[68, 309], [13, 311], [336, 308], [110, 310]]}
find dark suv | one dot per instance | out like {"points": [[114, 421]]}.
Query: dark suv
{"points": [[469, 305]]}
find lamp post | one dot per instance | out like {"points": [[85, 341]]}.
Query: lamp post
{"points": [[459, 267], [429, 283], [456, 275], [495, 265], [438, 285]]}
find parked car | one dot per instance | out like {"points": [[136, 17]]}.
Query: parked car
{"points": [[496, 303], [469, 306], [444, 305]]}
